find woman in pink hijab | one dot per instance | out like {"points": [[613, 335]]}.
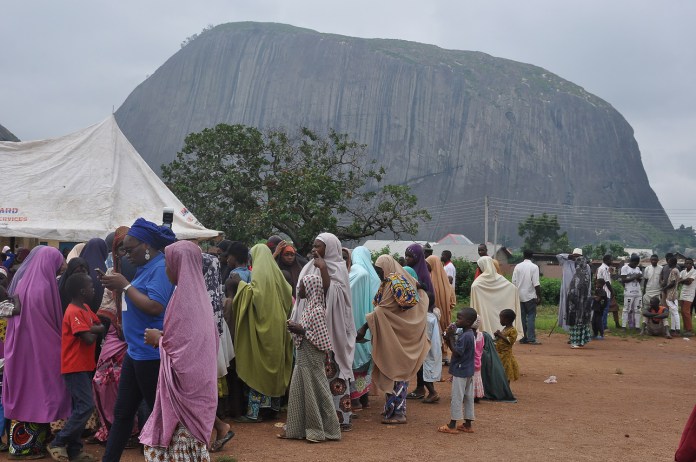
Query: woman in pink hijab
{"points": [[182, 419]]}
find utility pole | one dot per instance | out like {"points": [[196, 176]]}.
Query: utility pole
{"points": [[495, 232], [485, 220]]}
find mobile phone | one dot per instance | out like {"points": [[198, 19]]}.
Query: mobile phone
{"points": [[99, 272]]}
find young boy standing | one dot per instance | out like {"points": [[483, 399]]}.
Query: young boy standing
{"points": [[461, 368], [81, 328]]}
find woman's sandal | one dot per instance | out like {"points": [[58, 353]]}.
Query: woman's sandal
{"points": [[432, 399], [394, 421], [219, 444], [414, 395], [58, 453], [464, 429], [445, 429]]}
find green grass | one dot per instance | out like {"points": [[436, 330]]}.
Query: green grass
{"points": [[546, 320], [225, 459]]}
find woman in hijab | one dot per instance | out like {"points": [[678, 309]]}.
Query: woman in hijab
{"points": [[146, 298], [75, 265], [16, 262], [262, 344], [580, 304], [287, 261], [415, 258], [182, 419], [108, 373], [225, 350], [95, 253], [33, 392], [311, 413], [491, 293], [399, 341], [364, 284], [445, 299], [328, 263]]}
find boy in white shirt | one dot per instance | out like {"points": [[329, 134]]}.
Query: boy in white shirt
{"points": [[686, 280]]}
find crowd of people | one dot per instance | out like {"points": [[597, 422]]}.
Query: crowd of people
{"points": [[146, 341], [143, 340], [657, 300]]}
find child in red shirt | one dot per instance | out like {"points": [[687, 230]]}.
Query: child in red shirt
{"points": [[81, 328]]}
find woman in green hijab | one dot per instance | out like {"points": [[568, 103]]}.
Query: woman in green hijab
{"points": [[262, 344]]}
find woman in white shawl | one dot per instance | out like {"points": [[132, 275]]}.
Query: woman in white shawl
{"points": [[328, 263], [491, 293]]}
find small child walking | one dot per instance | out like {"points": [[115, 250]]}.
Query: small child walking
{"points": [[81, 328], [599, 302], [462, 346], [503, 345], [479, 343]]}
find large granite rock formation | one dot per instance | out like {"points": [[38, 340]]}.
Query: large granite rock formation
{"points": [[6, 135], [454, 125]]}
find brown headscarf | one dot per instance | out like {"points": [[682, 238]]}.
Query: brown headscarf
{"points": [[445, 298], [399, 341]]}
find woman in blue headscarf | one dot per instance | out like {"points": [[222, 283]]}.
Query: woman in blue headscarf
{"points": [[364, 284], [146, 298]]}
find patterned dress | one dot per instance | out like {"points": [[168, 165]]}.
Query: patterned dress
{"points": [[504, 349], [183, 448], [311, 412]]}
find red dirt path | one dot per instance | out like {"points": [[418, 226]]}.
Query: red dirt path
{"points": [[592, 413]]}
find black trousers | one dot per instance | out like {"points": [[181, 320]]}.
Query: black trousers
{"points": [[138, 383]]}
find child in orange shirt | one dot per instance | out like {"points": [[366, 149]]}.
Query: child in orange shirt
{"points": [[81, 328]]}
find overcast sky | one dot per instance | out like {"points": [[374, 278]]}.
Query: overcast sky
{"points": [[66, 64]]}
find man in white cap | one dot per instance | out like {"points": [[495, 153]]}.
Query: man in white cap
{"points": [[567, 263]]}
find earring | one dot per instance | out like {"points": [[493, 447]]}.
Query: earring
{"points": [[147, 254]]}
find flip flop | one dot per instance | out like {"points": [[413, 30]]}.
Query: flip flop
{"points": [[445, 429], [463, 429], [219, 444], [432, 399], [393, 421], [58, 453], [414, 395]]}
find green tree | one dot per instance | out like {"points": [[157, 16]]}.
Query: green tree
{"points": [[598, 251], [542, 234], [251, 184]]}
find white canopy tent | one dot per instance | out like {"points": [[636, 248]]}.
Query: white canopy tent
{"points": [[84, 185]]}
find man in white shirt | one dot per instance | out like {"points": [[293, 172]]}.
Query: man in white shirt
{"points": [[686, 298], [631, 276], [604, 274], [446, 258], [526, 277], [651, 281]]}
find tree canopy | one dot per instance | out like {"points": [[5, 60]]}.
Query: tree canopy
{"points": [[251, 184], [542, 234]]}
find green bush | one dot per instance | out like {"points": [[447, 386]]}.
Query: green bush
{"points": [[550, 290], [465, 276]]}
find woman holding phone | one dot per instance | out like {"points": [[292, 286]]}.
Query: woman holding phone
{"points": [[144, 301]]}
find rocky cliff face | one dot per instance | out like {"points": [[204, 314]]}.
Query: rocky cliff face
{"points": [[6, 135], [454, 125]]}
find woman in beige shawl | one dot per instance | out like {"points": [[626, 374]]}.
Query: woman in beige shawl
{"points": [[328, 263], [491, 293], [399, 341], [445, 298]]}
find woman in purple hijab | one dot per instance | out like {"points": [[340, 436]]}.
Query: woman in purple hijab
{"points": [[33, 392], [181, 422], [415, 258]]}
